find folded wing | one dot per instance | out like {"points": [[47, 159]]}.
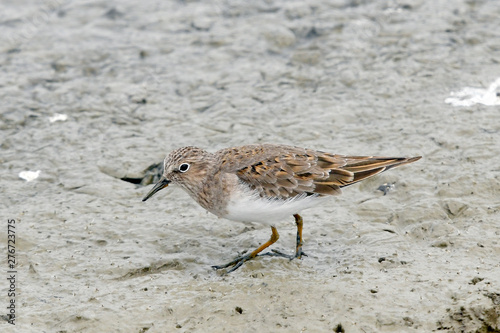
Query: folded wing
{"points": [[285, 172]]}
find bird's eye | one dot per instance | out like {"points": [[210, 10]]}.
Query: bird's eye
{"points": [[184, 167]]}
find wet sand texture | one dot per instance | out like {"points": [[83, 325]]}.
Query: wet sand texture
{"points": [[138, 79]]}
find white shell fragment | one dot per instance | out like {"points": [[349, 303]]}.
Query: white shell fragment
{"points": [[469, 96], [58, 117], [29, 175]]}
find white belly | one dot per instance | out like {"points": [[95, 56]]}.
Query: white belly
{"points": [[246, 206]]}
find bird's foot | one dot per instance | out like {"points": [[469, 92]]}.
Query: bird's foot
{"points": [[276, 253], [236, 263]]}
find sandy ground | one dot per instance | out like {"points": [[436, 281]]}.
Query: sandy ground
{"points": [[137, 79]]}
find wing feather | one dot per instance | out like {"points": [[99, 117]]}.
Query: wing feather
{"points": [[284, 171]]}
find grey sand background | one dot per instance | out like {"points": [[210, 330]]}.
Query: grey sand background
{"points": [[138, 79]]}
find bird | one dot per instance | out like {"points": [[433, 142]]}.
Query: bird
{"points": [[266, 183]]}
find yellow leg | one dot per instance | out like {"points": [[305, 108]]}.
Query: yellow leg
{"points": [[299, 223], [298, 249], [236, 263]]}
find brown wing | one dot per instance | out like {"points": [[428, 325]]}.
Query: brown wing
{"points": [[358, 168], [285, 172]]}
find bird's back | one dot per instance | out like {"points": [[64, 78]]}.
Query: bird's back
{"points": [[282, 172]]}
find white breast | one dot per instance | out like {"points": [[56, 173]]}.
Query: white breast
{"points": [[247, 206]]}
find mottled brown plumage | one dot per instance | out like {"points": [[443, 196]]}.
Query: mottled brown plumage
{"points": [[266, 182], [285, 172]]}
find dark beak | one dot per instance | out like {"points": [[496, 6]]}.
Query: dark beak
{"points": [[160, 185]]}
